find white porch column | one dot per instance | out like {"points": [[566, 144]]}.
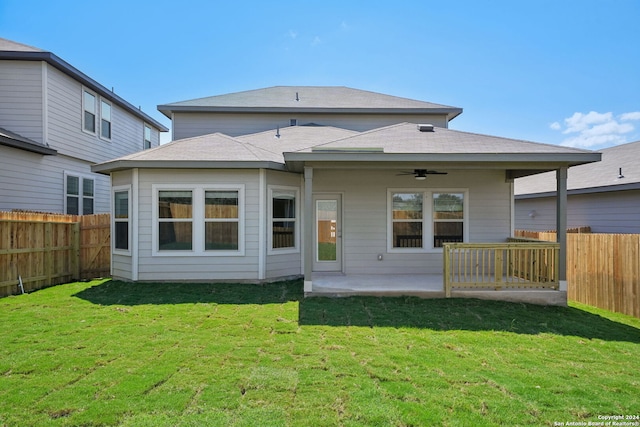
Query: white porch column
{"points": [[308, 228], [561, 224]]}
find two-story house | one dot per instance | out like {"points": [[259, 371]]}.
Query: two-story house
{"points": [[55, 122], [337, 185]]}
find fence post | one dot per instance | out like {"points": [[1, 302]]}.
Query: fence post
{"points": [[48, 253], [446, 272], [75, 250]]}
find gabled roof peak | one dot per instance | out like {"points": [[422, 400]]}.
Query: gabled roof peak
{"points": [[320, 99]]}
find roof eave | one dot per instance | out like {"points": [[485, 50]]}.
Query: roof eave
{"points": [[168, 109], [119, 165], [296, 160], [70, 70], [22, 145]]}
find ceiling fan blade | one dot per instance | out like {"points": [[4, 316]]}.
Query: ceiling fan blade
{"points": [[429, 172]]}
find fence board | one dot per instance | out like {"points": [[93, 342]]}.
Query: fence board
{"points": [[603, 270], [47, 249]]}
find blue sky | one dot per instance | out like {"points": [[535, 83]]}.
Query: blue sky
{"points": [[554, 71]]}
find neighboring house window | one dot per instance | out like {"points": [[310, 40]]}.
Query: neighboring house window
{"points": [[175, 220], [202, 220], [121, 214], [424, 220], [105, 119], [221, 220], [89, 109], [283, 218], [147, 137], [448, 218], [79, 193], [407, 220]]}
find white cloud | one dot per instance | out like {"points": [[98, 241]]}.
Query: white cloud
{"points": [[595, 130], [293, 34], [316, 41], [630, 116]]}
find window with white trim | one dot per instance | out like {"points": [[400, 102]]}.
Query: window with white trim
{"points": [[199, 220], [121, 215], [175, 220], [448, 218], [424, 220], [283, 212], [221, 220], [79, 195], [105, 119], [89, 109], [147, 137]]}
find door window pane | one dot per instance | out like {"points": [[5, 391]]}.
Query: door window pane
{"points": [[326, 217]]}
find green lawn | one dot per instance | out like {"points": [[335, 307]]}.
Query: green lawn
{"points": [[113, 353]]}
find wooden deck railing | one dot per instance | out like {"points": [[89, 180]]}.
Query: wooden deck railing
{"points": [[510, 265]]}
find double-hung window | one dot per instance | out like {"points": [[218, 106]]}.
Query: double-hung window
{"points": [[221, 220], [105, 119], [147, 137], [199, 220], [283, 216], [423, 220], [121, 223], [175, 220], [89, 111], [79, 195]]}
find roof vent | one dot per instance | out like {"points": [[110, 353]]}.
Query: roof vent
{"points": [[425, 128]]}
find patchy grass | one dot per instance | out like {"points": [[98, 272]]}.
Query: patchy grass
{"points": [[113, 353]]}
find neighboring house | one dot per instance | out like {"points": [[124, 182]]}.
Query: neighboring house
{"points": [[315, 200], [259, 110], [55, 122], [604, 196]]}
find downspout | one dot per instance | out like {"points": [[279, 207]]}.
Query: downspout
{"points": [[262, 240], [561, 224]]}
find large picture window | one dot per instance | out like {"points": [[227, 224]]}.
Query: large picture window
{"points": [[198, 220], [175, 220], [420, 221], [283, 218]]}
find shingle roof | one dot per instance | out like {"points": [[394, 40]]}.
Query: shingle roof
{"points": [[302, 143], [12, 139], [11, 50], [600, 176], [406, 138], [309, 99], [11, 46]]}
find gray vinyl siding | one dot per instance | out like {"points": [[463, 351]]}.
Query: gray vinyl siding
{"points": [[186, 125], [364, 228], [198, 268], [21, 98], [290, 264], [32, 181], [65, 124], [611, 212]]}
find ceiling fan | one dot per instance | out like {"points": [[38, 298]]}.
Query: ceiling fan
{"points": [[421, 174]]}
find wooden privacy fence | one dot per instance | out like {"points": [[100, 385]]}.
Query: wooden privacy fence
{"points": [[511, 265], [603, 270], [39, 250]]}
